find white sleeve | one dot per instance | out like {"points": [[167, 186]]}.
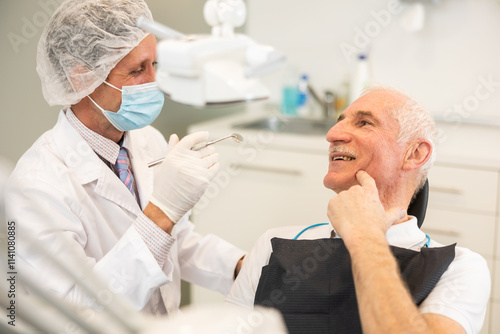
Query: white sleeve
{"points": [[208, 261], [42, 211], [463, 291], [245, 286]]}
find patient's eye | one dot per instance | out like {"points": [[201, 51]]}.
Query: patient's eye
{"points": [[364, 122]]}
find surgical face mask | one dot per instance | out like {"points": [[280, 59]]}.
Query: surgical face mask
{"points": [[141, 104]]}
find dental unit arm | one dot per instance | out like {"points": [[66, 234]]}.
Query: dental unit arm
{"points": [[217, 69]]}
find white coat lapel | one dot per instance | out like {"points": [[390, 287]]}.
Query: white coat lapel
{"points": [[79, 157], [111, 187], [140, 155]]}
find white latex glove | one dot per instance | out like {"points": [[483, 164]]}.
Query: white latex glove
{"points": [[184, 175]]}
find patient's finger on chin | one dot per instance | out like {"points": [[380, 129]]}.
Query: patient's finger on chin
{"points": [[364, 178]]}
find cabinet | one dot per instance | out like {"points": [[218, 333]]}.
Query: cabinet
{"points": [[463, 208]]}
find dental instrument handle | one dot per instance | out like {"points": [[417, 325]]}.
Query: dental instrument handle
{"points": [[200, 146], [156, 162], [194, 148]]}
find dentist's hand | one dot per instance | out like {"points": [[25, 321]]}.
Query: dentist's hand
{"points": [[184, 175], [357, 213]]}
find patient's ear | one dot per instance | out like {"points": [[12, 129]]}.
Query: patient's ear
{"points": [[417, 154]]}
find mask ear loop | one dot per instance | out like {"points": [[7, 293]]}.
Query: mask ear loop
{"points": [[98, 106], [110, 85], [95, 103], [104, 112]]}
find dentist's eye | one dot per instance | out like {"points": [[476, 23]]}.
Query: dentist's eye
{"points": [[138, 71]]}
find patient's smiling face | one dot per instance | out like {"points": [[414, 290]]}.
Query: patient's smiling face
{"points": [[365, 138]]}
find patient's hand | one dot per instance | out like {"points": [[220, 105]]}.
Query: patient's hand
{"points": [[357, 213]]}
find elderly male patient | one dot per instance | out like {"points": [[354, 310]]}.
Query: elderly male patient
{"points": [[371, 269]]}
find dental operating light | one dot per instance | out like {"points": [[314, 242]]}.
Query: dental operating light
{"points": [[216, 69]]}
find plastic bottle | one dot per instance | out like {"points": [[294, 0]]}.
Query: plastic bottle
{"points": [[359, 79], [303, 96], [342, 97], [289, 96]]}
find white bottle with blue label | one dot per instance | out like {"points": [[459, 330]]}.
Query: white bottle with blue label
{"points": [[359, 79], [303, 96]]}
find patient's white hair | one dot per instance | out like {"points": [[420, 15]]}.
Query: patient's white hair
{"points": [[415, 122]]}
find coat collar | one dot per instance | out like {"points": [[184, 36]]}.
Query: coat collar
{"points": [[75, 152], [140, 155], [87, 167]]}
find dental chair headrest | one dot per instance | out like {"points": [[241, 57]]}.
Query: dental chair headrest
{"points": [[418, 206]]}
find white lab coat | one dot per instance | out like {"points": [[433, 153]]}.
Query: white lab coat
{"points": [[61, 185]]}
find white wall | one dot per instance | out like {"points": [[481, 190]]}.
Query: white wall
{"points": [[24, 113], [442, 65]]}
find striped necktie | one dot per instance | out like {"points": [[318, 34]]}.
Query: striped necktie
{"points": [[123, 167]]}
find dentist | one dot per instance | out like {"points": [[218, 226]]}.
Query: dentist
{"points": [[86, 180]]}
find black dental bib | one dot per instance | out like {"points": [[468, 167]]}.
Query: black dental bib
{"points": [[311, 283]]}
